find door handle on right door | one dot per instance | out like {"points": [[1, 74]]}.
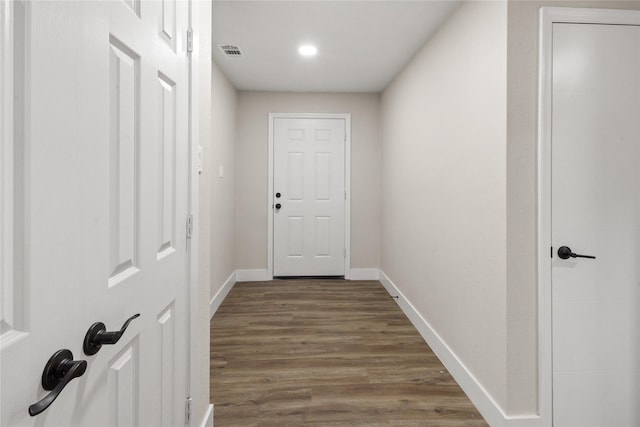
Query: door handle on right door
{"points": [[564, 252], [97, 336], [278, 205]]}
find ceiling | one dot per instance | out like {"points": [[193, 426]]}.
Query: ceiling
{"points": [[362, 45]]}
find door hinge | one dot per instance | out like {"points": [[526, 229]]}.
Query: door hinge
{"points": [[187, 412], [190, 40], [189, 225]]}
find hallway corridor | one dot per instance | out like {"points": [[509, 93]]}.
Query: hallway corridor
{"points": [[326, 353]]}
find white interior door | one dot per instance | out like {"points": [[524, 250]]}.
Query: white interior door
{"points": [[309, 197], [596, 211], [101, 206]]}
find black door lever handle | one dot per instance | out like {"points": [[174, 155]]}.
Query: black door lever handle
{"points": [[564, 252], [97, 336], [58, 372]]}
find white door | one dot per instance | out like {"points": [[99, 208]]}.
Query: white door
{"points": [[101, 196], [309, 197], [596, 212]]}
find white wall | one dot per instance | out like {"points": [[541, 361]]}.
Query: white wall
{"points": [[252, 163], [444, 188], [216, 210], [221, 194]]}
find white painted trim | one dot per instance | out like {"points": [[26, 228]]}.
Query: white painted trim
{"points": [[347, 202], [270, 200], [545, 370], [255, 275], [347, 184], [487, 406], [7, 300], [222, 293], [549, 16], [193, 254], [524, 421], [364, 274], [207, 420]]}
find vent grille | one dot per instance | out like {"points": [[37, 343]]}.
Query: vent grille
{"points": [[231, 50]]}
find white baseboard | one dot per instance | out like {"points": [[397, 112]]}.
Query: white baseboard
{"points": [[490, 410], [256, 275], [207, 421], [524, 421], [364, 274], [215, 302]]}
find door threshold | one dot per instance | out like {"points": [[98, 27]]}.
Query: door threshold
{"points": [[308, 277]]}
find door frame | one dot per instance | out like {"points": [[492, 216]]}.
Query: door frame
{"points": [[549, 16], [347, 183], [192, 245]]}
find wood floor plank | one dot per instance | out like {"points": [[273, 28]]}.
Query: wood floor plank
{"points": [[326, 353]]}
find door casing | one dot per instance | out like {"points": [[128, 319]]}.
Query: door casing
{"points": [[347, 183], [549, 16]]}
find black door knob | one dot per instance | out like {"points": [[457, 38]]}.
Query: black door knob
{"points": [[58, 372], [277, 195], [278, 205], [564, 252], [97, 336]]}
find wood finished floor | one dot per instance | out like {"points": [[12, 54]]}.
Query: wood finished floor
{"points": [[326, 353]]}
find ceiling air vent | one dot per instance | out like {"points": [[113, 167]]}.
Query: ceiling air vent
{"points": [[231, 50]]}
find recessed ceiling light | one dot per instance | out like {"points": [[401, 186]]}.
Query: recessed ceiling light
{"points": [[307, 50]]}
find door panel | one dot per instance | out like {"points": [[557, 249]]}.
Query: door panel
{"points": [[322, 239], [105, 170], [596, 211], [309, 172], [322, 175], [124, 129], [123, 380], [167, 353], [167, 164]]}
